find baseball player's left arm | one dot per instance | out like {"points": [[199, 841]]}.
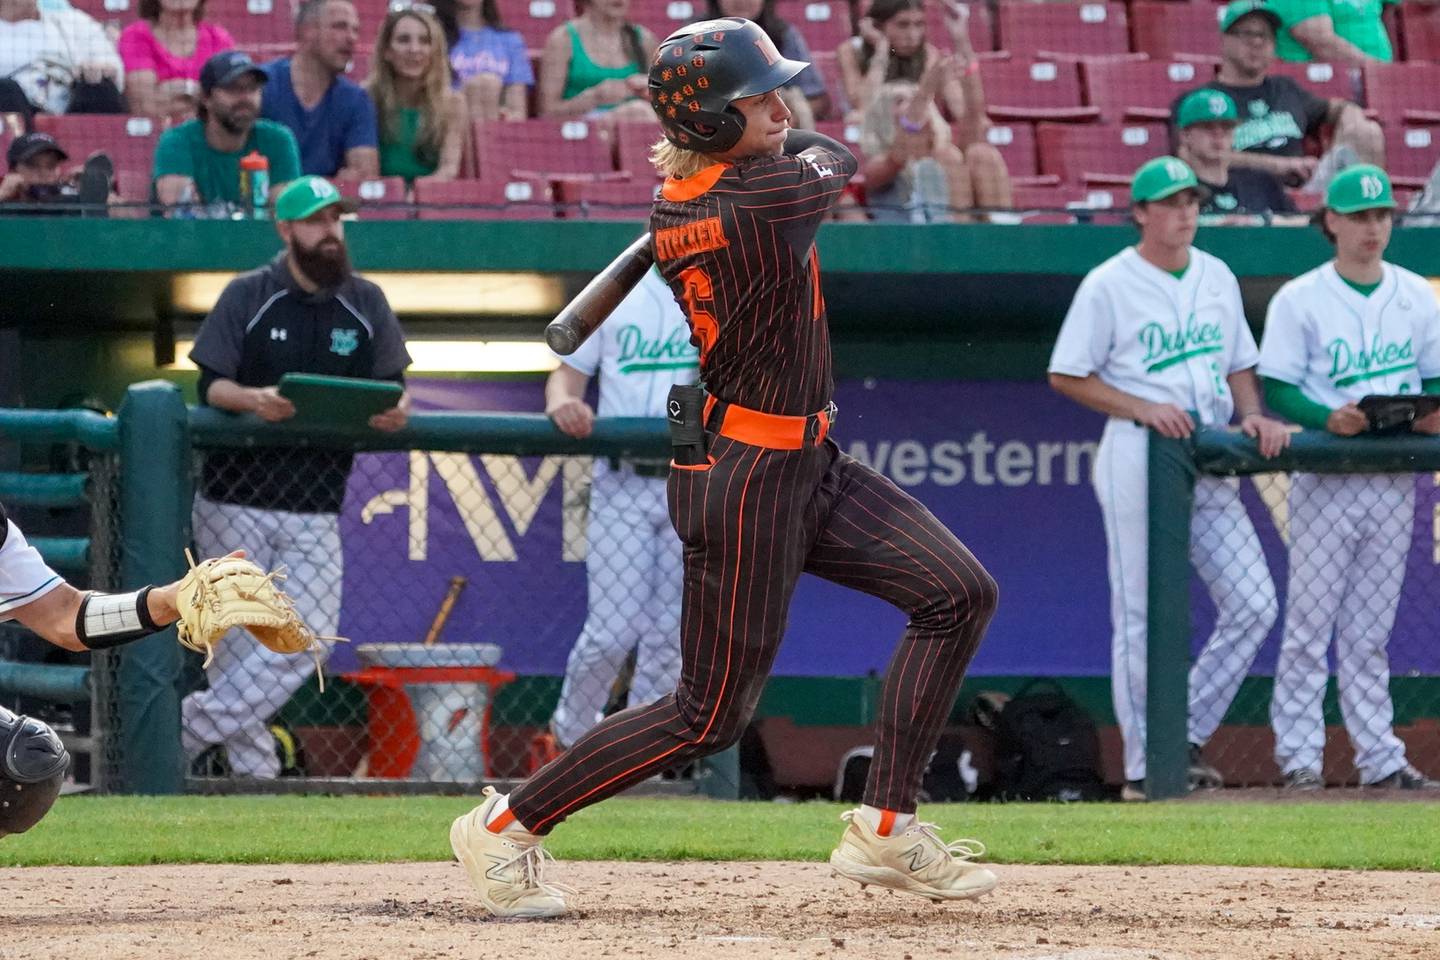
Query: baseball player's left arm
{"points": [[1271, 436], [61, 615]]}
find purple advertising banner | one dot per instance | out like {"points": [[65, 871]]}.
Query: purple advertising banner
{"points": [[1005, 465]]}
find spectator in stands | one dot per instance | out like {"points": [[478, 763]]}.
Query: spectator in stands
{"points": [[1277, 113], [198, 162], [913, 171], [1207, 120], [56, 60], [805, 95], [283, 504], [423, 121], [490, 64], [163, 52], [1348, 32], [332, 118], [35, 176], [596, 65], [1425, 211], [893, 47]]}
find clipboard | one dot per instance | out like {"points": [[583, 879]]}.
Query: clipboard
{"points": [[1393, 413], [319, 398]]}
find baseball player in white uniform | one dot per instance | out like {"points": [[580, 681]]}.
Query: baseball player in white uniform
{"points": [[1156, 338], [1354, 326], [633, 562]]}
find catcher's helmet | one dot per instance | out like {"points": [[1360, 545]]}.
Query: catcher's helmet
{"points": [[701, 69], [32, 765]]}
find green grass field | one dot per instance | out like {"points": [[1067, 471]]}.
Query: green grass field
{"points": [[107, 831]]}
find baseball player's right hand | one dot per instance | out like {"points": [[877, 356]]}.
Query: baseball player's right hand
{"points": [[1346, 421], [270, 406], [572, 417], [1167, 420]]}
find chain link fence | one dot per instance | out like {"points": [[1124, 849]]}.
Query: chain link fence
{"points": [[494, 608], [1313, 622]]}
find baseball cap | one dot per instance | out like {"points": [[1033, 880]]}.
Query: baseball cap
{"points": [[1206, 106], [226, 67], [308, 194], [1243, 8], [24, 147], [1361, 187], [1162, 177]]}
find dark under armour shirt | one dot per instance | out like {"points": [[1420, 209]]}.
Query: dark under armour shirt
{"points": [[1247, 191], [736, 243], [1275, 115], [264, 326]]}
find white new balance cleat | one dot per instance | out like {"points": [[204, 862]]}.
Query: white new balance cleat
{"points": [[506, 869], [916, 861]]}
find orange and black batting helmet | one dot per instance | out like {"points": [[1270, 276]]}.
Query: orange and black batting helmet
{"points": [[702, 68]]}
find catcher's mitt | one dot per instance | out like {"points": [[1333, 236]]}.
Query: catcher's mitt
{"points": [[226, 592]]}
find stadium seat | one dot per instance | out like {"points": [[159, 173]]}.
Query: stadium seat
{"points": [[1044, 196], [982, 28], [664, 17], [1098, 153], [133, 186], [129, 141], [543, 148], [1403, 92], [1042, 90], [516, 199], [825, 24], [1411, 152], [1321, 79], [382, 199], [535, 19], [1164, 30], [1420, 27], [260, 21], [846, 133], [1088, 28], [632, 144], [614, 200], [1139, 91], [1016, 143]]}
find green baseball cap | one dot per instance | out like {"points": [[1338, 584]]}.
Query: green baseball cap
{"points": [[1162, 177], [1206, 106], [1243, 8], [306, 195], [1361, 187]]}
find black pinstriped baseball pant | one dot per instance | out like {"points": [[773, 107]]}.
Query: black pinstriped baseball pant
{"points": [[751, 523]]}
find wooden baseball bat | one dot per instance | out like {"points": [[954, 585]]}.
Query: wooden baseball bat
{"points": [[583, 315], [446, 606]]}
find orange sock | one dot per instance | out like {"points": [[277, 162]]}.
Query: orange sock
{"points": [[503, 820], [886, 823]]}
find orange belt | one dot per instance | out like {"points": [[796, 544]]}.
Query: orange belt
{"points": [[768, 429]]}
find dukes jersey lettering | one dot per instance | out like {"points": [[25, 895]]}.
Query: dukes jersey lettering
{"points": [[1158, 338], [1338, 345]]}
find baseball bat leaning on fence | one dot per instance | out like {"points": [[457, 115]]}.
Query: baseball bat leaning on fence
{"points": [[447, 605], [582, 316]]}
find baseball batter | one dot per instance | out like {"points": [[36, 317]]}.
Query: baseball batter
{"points": [[1354, 326], [632, 563], [1156, 338], [760, 494], [32, 759]]}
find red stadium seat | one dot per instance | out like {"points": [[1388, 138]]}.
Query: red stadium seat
{"points": [[1164, 30], [129, 141], [1411, 152], [133, 186], [1420, 26], [382, 199], [632, 143], [1016, 143], [261, 21], [825, 24], [1140, 91], [517, 199], [615, 200], [1321, 79], [1043, 90], [1098, 153], [535, 19], [1403, 92], [543, 148], [1089, 28], [664, 17], [981, 28]]}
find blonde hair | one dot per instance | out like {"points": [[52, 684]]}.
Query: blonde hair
{"points": [[678, 162], [877, 132], [434, 85]]}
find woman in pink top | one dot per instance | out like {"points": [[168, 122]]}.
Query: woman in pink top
{"points": [[163, 52]]}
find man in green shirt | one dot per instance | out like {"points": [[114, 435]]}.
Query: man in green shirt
{"points": [[198, 162], [1348, 32]]}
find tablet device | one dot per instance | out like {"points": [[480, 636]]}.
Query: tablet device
{"points": [[1393, 413], [339, 400]]}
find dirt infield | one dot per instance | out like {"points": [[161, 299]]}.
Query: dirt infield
{"points": [[742, 910]]}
